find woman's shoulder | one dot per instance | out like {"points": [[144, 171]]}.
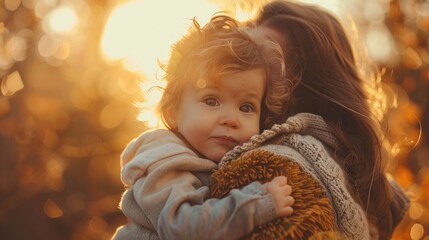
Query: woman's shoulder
{"points": [[300, 148], [303, 130]]}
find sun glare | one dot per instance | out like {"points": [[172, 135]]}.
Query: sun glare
{"points": [[139, 33]]}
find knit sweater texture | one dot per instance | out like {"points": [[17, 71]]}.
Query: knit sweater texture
{"points": [[306, 139]]}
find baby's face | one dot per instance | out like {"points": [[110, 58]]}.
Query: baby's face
{"points": [[214, 117]]}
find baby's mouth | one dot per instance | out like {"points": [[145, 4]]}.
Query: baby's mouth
{"points": [[226, 141]]}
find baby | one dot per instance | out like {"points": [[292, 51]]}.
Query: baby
{"points": [[218, 83]]}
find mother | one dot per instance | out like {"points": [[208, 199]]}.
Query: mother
{"points": [[324, 80]]}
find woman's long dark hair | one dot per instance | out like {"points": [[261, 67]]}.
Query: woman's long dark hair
{"points": [[320, 62]]}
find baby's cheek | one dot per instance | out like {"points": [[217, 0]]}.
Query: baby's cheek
{"points": [[246, 138], [249, 135]]}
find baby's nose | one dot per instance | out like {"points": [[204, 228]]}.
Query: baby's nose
{"points": [[229, 118]]}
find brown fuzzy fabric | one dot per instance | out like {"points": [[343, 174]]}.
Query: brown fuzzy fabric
{"points": [[313, 212]]}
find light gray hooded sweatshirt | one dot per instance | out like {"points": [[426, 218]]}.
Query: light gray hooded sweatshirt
{"points": [[168, 194]]}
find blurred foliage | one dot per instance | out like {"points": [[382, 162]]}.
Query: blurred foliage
{"points": [[61, 135], [66, 114]]}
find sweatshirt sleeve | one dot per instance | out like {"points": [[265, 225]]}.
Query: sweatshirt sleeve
{"points": [[176, 202], [231, 217], [188, 214]]}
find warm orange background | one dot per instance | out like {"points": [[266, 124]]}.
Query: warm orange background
{"points": [[62, 133]]}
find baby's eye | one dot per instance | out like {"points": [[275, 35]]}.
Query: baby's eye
{"points": [[211, 101], [247, 108]]}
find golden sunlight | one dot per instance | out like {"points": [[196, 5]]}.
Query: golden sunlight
{"points": [[334, 6], [139, 33]]}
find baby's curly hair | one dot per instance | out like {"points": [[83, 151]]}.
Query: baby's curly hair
{"points": [[220, 48]]}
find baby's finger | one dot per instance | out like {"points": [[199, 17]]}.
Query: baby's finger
{"points": [[287, 190], [289, 201], [281, 180], [286, 211]]}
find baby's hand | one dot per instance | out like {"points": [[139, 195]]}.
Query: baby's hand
{"points": [[281, 193]]}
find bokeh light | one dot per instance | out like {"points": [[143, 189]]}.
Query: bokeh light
{"points": [[334, 6], [11, 84], [378, 35], [62, 20]]}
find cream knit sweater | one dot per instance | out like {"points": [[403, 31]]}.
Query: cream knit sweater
{"points": [[306, 139]]}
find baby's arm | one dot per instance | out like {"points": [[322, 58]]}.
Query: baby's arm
{"points": [[187, 213], [168, 186]]}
